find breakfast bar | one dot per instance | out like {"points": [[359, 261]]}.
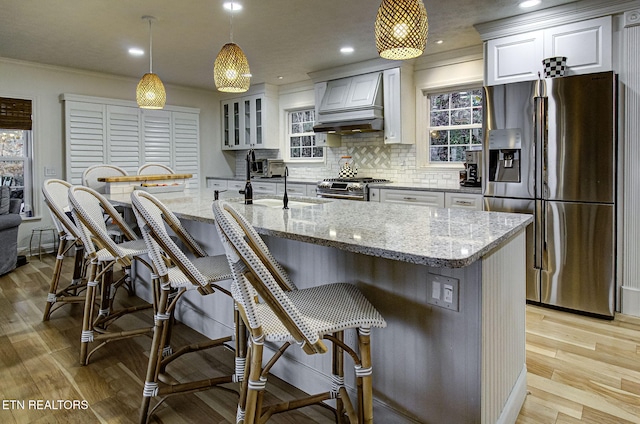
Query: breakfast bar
{"points": [[449, 282]]}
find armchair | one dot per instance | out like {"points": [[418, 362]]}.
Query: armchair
{"points": [[9, 223]]}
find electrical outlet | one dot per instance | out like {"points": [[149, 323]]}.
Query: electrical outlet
{"points": [[444, 291]]}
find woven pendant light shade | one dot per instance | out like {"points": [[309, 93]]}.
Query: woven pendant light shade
{"points": [[231, 69], [401, 29], [150, 92]]}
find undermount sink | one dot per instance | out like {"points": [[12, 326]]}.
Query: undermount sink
{"points": [[277, 203]]}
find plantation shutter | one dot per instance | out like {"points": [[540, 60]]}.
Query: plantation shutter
{"points": [[186, 146]]}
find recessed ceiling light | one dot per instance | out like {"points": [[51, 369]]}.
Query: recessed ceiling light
{"points": [[529, 3], [232, 5], [135, 51], [280, 77], [439, 42], [346, 50]]}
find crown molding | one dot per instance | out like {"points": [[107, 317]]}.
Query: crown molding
{"points": [[554, 16], [365, 67], [451, 57]]}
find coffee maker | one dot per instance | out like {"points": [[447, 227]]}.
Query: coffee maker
{"points": [[472, 174]]}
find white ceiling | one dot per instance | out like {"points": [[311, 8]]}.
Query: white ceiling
{"points": [[287, 38]]}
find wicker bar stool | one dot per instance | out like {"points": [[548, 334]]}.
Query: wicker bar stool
{"points": [[307, 317], [56, 197], [177, 274], [88, 207], [90, 179]]}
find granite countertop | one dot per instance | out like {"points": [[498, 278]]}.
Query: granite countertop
{"points": [[435, 237], [392, 185]]}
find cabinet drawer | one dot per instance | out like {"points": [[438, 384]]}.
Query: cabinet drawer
{"points": [[410, 197], [236, 186], [217, 184], [463, 200], [264, 188], [292, 189]]}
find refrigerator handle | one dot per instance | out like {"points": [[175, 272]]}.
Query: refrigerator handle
{"points": [[540, 146], [538, 227]]}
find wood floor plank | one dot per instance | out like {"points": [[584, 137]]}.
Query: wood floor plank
{"points": [[580, 369]]}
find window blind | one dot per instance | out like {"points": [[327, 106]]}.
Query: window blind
{"points": [[15, 114]]}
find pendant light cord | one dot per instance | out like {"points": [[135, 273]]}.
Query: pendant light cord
{"points": [[150, 48], [231, 22]]}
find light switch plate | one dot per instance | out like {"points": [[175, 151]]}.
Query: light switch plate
{"points": [[443, 291]]}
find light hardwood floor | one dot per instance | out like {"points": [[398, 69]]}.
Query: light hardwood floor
{"points": [[581, 370]]}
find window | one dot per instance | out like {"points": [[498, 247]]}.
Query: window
{"points": [[16, 150], [302, 139], [455, 124]]}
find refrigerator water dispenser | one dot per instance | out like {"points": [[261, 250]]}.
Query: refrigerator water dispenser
{"points": [[504, 155]]}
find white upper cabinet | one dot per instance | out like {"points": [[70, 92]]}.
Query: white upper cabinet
{"points": [[587, 46], [514, 58], [251, 121], [399, 106]]}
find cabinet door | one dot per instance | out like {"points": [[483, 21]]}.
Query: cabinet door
{"points": [[413, 197], [374, 195], [586, 45], [514, 58], [232, 122], [392, 106], [463, 200]]}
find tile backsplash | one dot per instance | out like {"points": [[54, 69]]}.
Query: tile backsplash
{"points": [[372, 158]]}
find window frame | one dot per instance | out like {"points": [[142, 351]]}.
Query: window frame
{"points": [[288, 134], [423, 127], [30, 193]]}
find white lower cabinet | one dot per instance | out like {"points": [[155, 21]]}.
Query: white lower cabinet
{"points": [[438, 199], [413, 197], [463, 200]]}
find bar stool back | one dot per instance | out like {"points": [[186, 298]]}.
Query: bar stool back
{"points": [[104, 253], [56, 197], [305, 317], [177, 274], [154, 169]]}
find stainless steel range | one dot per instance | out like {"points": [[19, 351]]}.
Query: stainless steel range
{"points": [[346, 188]]}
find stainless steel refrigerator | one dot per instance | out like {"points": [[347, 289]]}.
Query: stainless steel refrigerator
{"points": [[550, 150]]}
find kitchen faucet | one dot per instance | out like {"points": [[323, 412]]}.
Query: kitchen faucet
{"points": [[248, 191], [285, 198]]}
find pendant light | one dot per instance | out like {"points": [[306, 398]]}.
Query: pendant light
{"points": [[150, 92], [231, 68], [401, 29]]}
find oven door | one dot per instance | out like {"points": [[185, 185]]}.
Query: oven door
{"points": [[340, 195]]}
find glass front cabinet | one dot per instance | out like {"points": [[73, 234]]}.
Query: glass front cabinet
{"points": [[250, 121]]}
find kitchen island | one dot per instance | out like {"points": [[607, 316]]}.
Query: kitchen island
{"points": [[431, 364]]}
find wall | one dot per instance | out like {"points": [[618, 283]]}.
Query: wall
{"points": [[399, 163], [44, 84]]}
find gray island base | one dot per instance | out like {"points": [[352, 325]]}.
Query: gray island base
{"points": [[431, 364]]}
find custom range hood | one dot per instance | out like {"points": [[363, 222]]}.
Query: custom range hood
{"points": [[351, 105]]}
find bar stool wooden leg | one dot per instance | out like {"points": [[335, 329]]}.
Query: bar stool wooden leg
{"points": [[338, 377], [155, 355], [55, 279], [365, 407], [87, 324], [254, 382]]}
